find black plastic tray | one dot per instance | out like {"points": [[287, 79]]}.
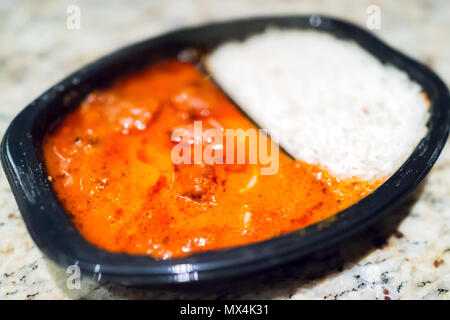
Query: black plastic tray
{"points": [[54, 233]]}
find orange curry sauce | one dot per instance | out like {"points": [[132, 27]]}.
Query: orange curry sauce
{"points": [[110, 165]]}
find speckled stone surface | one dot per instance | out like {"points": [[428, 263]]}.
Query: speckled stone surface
{"points": [[404, 256]]}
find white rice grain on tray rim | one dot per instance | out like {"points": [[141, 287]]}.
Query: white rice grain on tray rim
{"points": [[326, 101]]}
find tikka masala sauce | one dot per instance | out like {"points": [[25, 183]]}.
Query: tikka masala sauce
{"points": [[110, 165]]}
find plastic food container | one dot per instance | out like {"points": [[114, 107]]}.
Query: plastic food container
{"points": [[54, 233]]}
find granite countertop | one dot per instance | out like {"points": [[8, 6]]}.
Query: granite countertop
{"points": [[406, 255]]}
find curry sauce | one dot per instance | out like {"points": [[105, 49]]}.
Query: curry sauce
{"points": [[110, 165]]}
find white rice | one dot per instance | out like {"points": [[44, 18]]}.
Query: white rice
{"points": [[327, 101]]}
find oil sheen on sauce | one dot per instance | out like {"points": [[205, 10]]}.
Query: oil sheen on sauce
{"points": [[110, 165]]}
